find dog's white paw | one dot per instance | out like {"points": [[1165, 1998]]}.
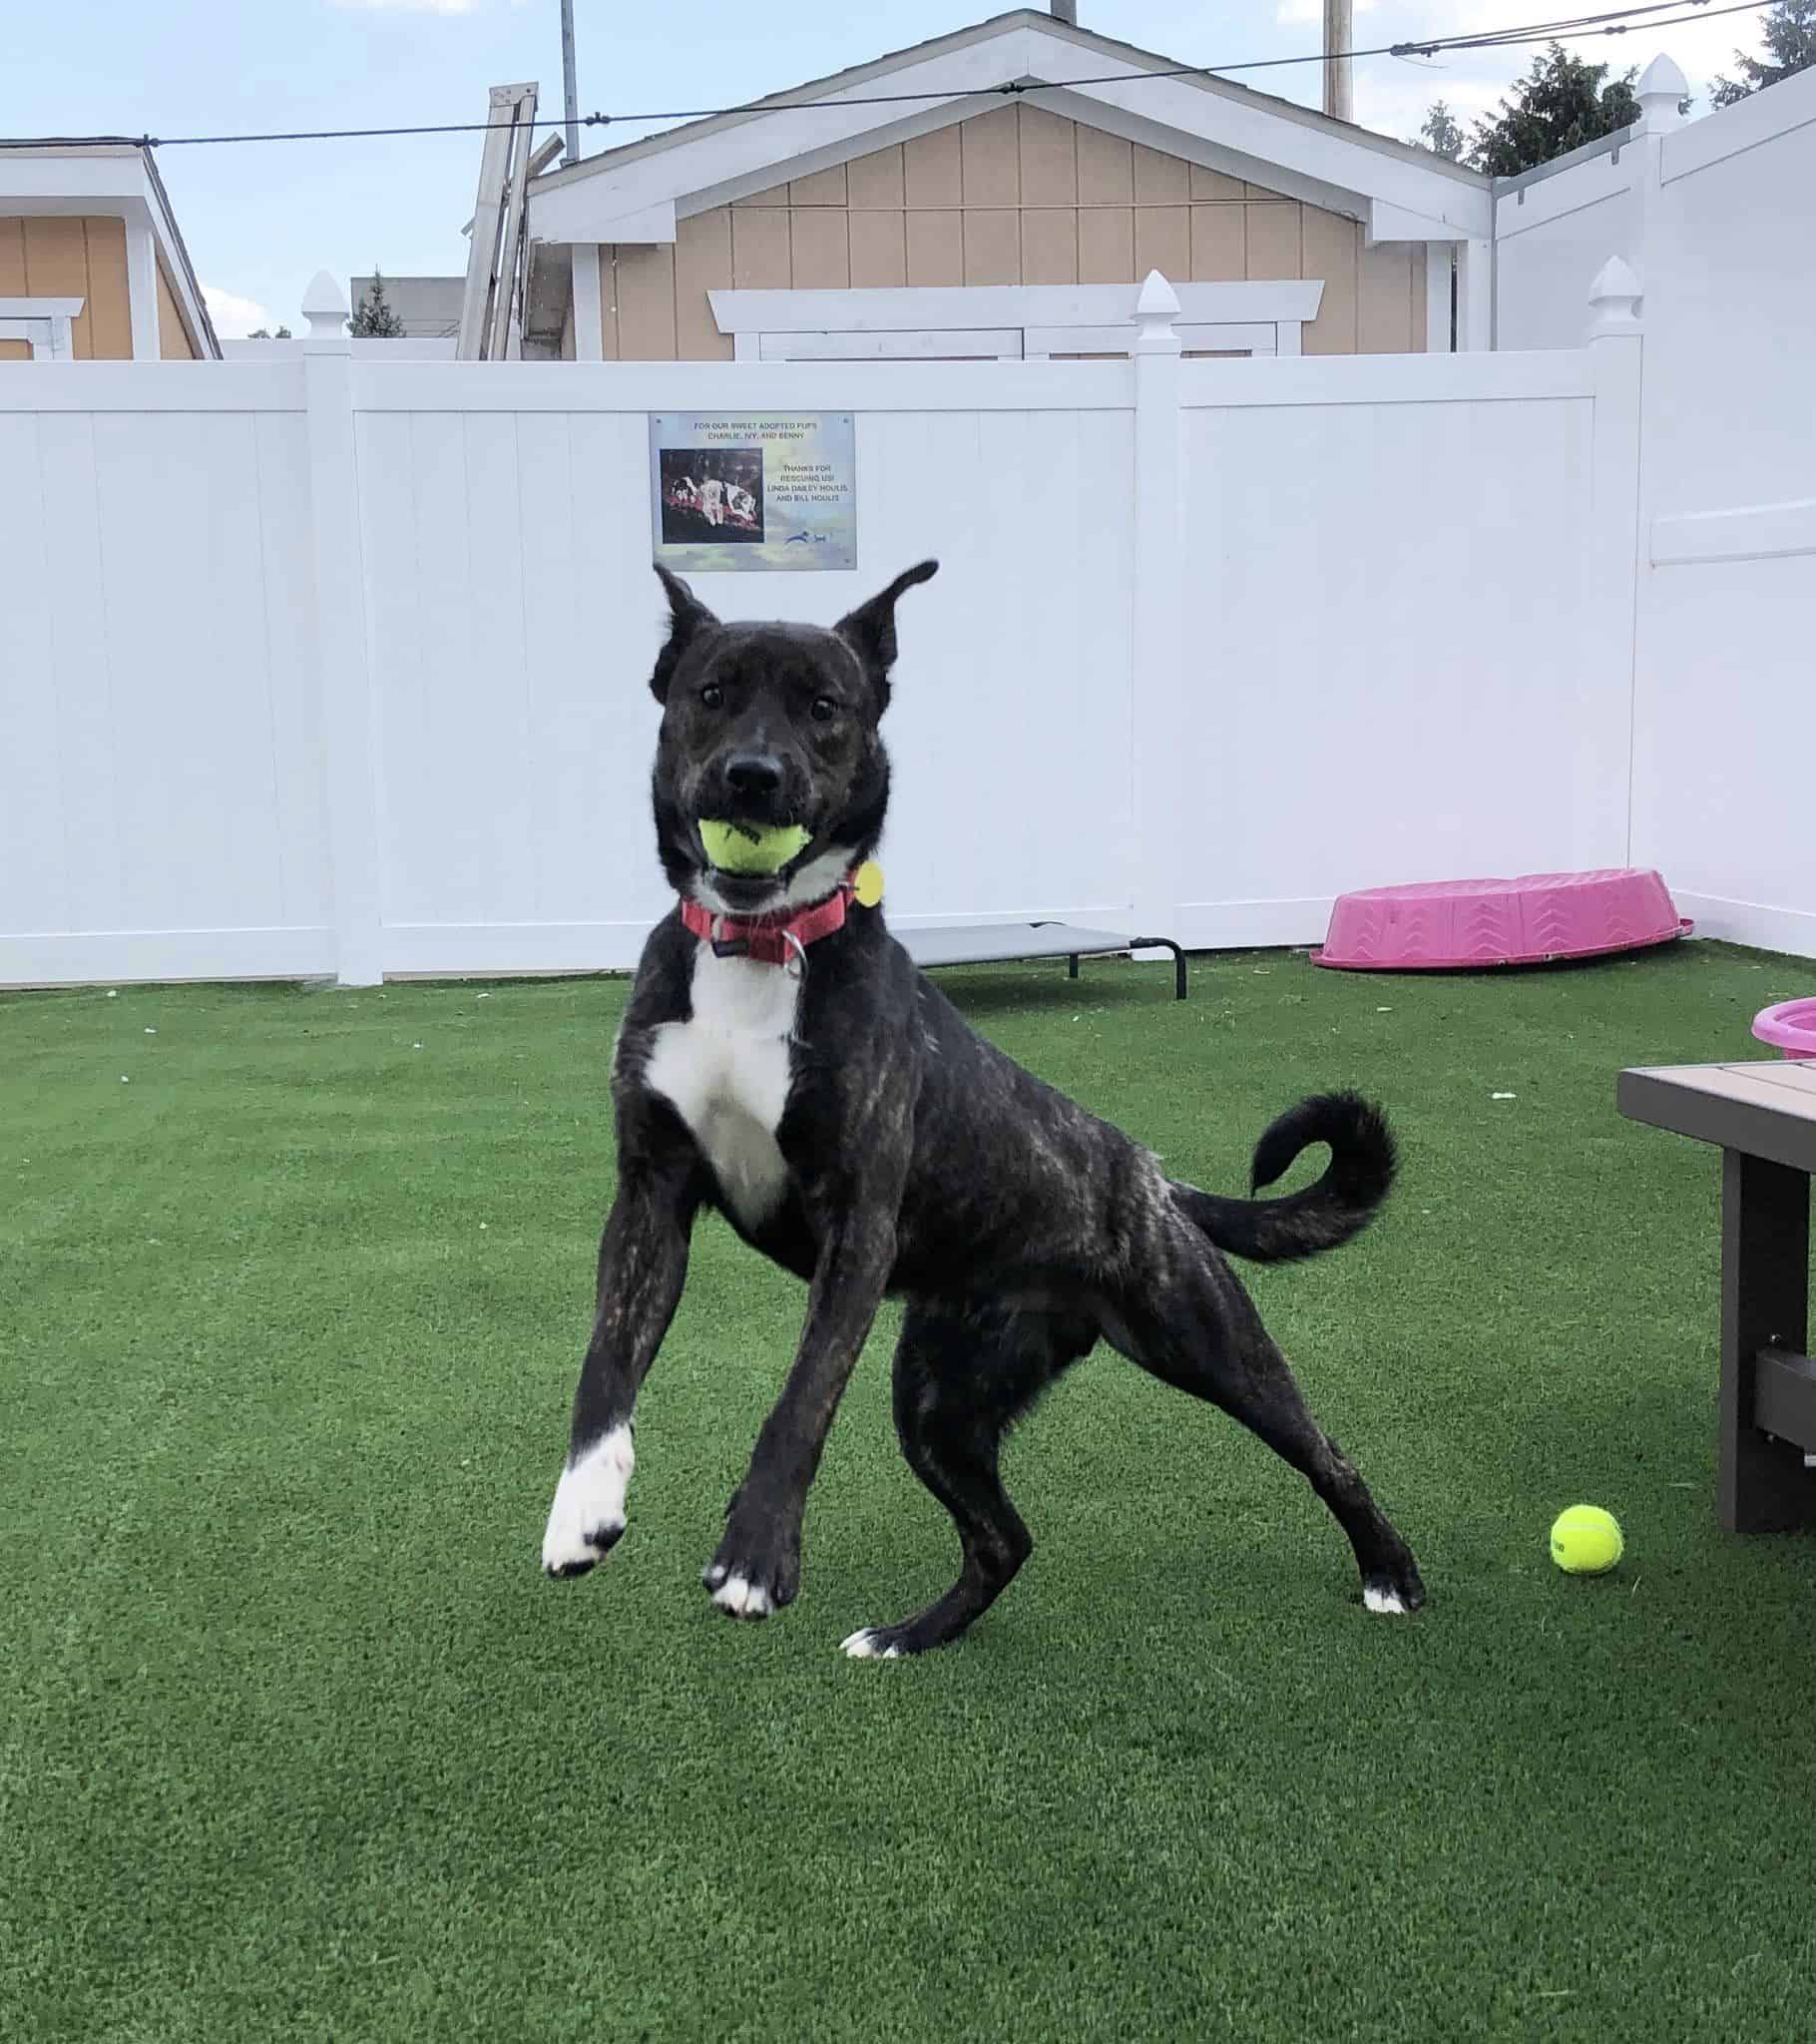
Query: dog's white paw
{"points": [[588, 1515], [867, 1644], [740, 1598], [1383, 1601]]}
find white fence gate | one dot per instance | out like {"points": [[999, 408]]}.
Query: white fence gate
{"points": [[336, 665]]}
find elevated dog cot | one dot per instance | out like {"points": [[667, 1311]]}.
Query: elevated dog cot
{"points": [[1000, 943]]}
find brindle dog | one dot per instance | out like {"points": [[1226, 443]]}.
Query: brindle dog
{"points": [[851, 1126]]}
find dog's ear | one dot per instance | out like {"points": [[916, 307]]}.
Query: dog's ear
{"points": [[687, 618], [870, 629]]}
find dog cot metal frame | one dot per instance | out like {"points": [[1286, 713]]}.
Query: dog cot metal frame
{"points": [[998, 943]]}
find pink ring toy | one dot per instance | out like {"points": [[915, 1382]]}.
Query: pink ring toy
{"points": [[1790, 1027]]}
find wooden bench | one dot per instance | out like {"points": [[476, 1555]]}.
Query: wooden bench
{"points": [[1763, 1117]]}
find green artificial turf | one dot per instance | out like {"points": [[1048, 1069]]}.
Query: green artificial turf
{"points": [[296, 1741]]}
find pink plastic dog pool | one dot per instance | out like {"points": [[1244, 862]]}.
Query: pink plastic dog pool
{"points": [[1526, 921], [1791, 1026]]}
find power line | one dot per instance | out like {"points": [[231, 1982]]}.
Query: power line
{"points": [[1610, 22], [1507, 39], [1575, 24]]}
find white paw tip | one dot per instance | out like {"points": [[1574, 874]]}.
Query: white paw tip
{"points": [[587, 1514], [742, 1599], [862, 1646], [1385, 1601], [567, 1547]]}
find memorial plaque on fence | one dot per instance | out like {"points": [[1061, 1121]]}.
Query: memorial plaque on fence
{"points": [[736, 490]]}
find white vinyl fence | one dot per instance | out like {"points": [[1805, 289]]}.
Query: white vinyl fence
{"points": [[1726, 656], [338, 666], [1717, 218]]}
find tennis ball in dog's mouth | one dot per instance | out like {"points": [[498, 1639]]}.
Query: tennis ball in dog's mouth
{"points": [[1585, 1541], [753, 847]]}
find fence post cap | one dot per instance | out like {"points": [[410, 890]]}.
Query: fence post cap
{"points": [[1156, 308], [1158, 300], [1614, 299], [1661, 90], [324, 306]]}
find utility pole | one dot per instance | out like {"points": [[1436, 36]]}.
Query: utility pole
{"points": [[1339, 102], [566, 79]]}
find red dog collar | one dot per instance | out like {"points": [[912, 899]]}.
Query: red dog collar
{"points": [[781, 939]]}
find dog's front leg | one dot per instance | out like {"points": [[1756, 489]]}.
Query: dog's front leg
{"points": [[642, 1264], [757, 1568]]}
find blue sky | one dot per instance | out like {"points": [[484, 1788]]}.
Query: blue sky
{"points": [[260, 221]]}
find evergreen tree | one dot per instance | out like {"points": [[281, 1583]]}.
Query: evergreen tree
{"points": [[1790, 41], [1561, 104], [373, 318], [1442, 132]]}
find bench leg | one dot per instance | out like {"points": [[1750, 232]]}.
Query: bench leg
{"points": [[1072, 966], [1765, 1265]]}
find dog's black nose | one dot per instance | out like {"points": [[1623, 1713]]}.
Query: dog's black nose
{"points": [[753, 774]]}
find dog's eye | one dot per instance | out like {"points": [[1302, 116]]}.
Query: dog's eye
{"points": [[823, 710], [712, 696]]}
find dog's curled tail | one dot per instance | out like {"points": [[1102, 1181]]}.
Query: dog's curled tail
{"points": [[1324, 1215]]}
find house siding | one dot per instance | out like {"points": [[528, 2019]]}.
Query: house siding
{"points": [[174, 344], [56, 256], [1013, 196]]}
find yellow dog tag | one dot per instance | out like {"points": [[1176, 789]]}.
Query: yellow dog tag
{"points": [[867, 885]]}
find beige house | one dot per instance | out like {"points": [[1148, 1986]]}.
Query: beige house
{"points": [[92, 265], [994, 193]]}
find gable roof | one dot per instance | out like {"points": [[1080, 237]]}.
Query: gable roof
{"points": [[638, 192], [113, 177]]}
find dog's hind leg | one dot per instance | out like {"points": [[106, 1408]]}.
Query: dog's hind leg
{"points": [[960, 1380], [1200, 1330]]}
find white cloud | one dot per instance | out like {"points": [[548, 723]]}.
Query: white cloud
{"points": [[235, 316]]}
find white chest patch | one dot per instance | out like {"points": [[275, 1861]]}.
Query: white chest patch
{"points": [[725, 1072]]}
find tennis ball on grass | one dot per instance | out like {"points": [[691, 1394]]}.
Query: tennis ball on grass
{"points": [[1585, 1541], [750, 847]]}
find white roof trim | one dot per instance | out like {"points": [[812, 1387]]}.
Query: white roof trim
{"points": [[64, 174], [576, 207], [1205, 120], [1388, 222]]}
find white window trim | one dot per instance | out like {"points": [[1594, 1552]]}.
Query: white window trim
{"points": [[1005, 320], [1010, 344], [929, 343], [44, 322]]}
